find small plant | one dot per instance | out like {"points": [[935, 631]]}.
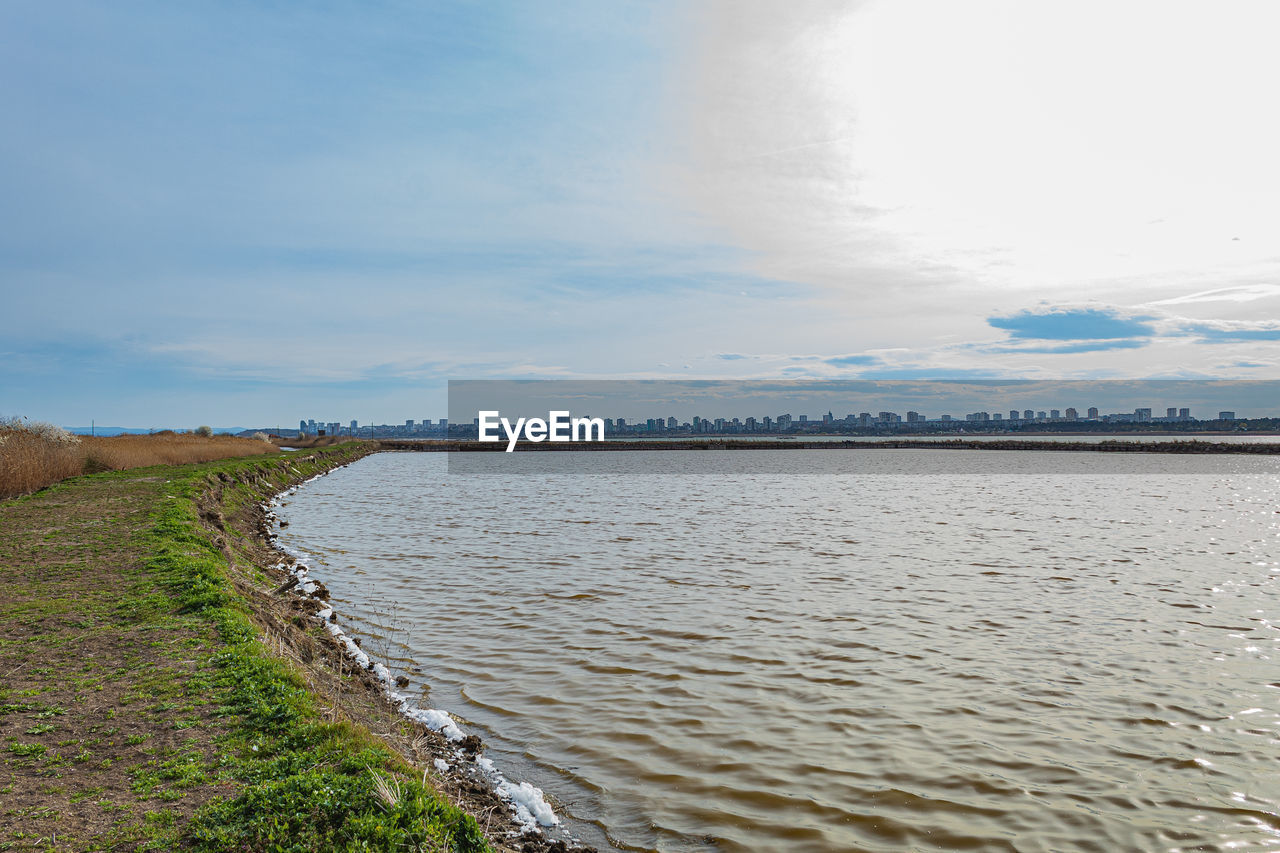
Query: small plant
{"points": [[388, 791]]}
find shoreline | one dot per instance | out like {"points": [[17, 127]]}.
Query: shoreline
{"points": [[456, 757]]}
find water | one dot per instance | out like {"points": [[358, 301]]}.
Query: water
{"points": [[996, 651]]}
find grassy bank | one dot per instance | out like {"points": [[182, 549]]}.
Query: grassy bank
{"points": [[35, 455], [153, 693]]}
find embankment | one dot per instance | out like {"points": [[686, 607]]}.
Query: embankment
{"points": [[162, 687]]}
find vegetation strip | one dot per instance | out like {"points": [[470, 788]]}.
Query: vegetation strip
{"points": [[139, 705]]}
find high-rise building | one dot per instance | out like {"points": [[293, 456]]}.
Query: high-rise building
{"points": [[1093, 412], [914, 418], [1041, 416], [1142, 415], [1013, 414], [1028, 415], [1072, 415], [354, 426], [1055, 414], [996, 416], [1171, 412], [1226, 416], [672, 423], [1184, 414]]}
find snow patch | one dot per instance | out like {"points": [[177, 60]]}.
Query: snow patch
{"points": [[532, 809]]}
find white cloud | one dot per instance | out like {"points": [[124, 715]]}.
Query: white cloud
{"points": [[1242, 293]]}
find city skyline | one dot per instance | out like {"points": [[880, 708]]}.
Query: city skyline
{"points": [[787, 422]]}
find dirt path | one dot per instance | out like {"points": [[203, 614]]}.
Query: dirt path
{"points": [[105, 726]]}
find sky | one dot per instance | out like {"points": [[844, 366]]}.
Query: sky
{"points": [[246, 213]]}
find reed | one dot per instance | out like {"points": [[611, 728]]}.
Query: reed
{"points": [[34, 455]]}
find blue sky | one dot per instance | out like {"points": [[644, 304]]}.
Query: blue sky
{"points": [[246, 213]]}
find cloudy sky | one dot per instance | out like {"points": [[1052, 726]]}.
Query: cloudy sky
{"points": [[244, 213]]}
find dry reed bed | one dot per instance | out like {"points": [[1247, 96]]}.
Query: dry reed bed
{"points": [[33, 456]]}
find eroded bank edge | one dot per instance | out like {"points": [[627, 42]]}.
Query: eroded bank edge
{"points": [[529, 810]]}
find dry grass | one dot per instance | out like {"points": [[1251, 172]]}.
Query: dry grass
{"points": [[308, 442], [35, 455]]}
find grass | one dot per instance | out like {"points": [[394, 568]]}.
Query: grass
{"points": [[143, 709], [36, 455]]}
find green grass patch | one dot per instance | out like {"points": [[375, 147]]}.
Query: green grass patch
{"points": [[307, 784]]}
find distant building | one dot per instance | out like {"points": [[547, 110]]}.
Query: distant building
{"points": [[1013, 414], [1093, 413], [996, 416], [1028, 415], [914, 418], [1041, 416], [1184, 414], [1142, 415], [1171, 412], [1226, 416], [1055, 414], [1072, 415]]}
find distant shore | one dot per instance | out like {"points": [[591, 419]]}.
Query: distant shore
{"points": [[1181, 446]]}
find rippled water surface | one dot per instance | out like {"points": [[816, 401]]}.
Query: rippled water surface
{"points": [[890, 650]]}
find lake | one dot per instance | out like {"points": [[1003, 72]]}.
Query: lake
{"points": [[812, 650]]}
